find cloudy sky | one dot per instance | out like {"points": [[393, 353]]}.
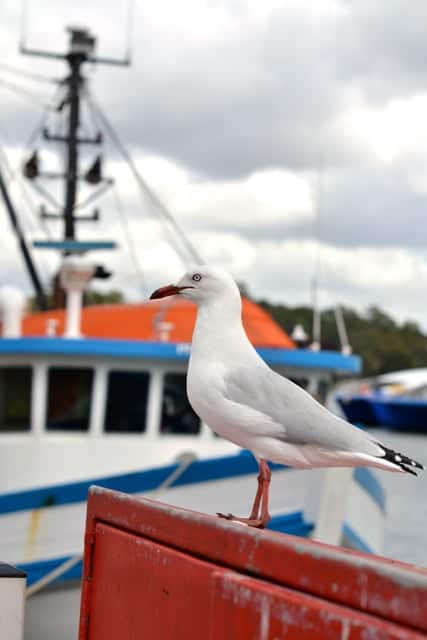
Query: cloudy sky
{"points": [[287, 137]]}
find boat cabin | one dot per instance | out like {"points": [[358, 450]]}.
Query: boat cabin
{"points": [[115, 399]]}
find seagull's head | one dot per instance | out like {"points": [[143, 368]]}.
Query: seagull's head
{"points": [[201, 284]]}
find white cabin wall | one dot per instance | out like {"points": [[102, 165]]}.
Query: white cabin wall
{"points": [[47, 457]]}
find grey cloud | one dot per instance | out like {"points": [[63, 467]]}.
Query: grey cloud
{"points": [[268, 94], [273, 95], [381, 47], [262, 98]]}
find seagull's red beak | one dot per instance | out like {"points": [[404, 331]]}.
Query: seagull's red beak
{"points": [[169, 290]]}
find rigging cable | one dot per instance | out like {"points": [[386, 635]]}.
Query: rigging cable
{"points": [[182, 255], [27, 74], [129, 238], [146, 190], [16, 88], [25, 198], [13, 173]]}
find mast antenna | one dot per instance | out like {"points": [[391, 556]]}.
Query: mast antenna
{"points": [[81, 50], [317, 322], [82, 47]]}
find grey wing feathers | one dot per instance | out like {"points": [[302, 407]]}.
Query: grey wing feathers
{"points": [[304, 420]]}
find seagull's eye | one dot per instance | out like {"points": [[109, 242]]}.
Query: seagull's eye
{"points": [[196, 277]]}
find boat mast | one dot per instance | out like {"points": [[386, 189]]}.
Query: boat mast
{"points": [[74, 91], [75, 61], [81, 50]]}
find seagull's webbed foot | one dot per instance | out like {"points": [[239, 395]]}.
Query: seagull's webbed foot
{"points": [[258, 523], [259, 516]]}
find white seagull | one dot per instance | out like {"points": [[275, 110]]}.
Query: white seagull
{"points": [[239, 397]]}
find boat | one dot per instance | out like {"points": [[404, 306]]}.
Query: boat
{"points": [[110, 408], [396, 401], [96, 394]]}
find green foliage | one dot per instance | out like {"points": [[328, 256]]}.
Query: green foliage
{"points": [[99, 297], [91, 297], [383, 344]]}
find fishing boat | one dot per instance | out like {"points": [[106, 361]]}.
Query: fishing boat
{"points": [[97, 394], [111, 407]]}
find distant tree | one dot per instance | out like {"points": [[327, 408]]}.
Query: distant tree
{"points": [[93, 297], [374, 335], [244, 289], [379, 318]]}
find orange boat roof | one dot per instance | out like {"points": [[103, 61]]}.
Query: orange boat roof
{"points": [[141, 322]]}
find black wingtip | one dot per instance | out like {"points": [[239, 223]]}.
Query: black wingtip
{"points": [[400, 460], [408, 470]]}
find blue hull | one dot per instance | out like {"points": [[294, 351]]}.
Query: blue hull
{"points": [[359, 410], [403, 414], [399, 413]]}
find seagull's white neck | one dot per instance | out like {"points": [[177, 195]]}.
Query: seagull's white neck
{"points": [[219, 332]]}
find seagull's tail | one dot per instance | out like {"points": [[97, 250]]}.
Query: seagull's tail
{"points": [[406, 464]]}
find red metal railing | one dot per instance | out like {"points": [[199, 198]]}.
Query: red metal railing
{"points": [[155, 571]]}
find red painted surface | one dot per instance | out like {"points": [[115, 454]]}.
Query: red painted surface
{"points": [[154, 571], [138, 322]]}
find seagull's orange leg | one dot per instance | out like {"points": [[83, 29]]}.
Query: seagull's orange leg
{"points": [[257, 519], [265, 515]]}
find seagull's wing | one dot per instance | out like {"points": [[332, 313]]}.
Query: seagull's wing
{"points": [[304, 420]]}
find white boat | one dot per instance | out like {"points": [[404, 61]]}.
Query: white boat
{"points": [[98, 396], [112, 410]]}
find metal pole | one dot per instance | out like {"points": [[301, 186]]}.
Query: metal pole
{"points": [[74, 81], [342, 331], [40, 295]]}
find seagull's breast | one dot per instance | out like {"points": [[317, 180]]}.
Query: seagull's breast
{"points": [[205, 386], [236, 422]]}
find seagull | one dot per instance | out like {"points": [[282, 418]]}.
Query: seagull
{"points": [[238, 396]]}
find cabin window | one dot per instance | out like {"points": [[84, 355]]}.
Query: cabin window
{"points": [[127, 399], [69, 398], [15, 398], [178, 416]]}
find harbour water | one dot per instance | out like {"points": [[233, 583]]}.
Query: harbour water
{"points": [[406, 522]]}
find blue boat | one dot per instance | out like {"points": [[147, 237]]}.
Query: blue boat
{"points": [[359, 410], [395, 400], [402, 413]]}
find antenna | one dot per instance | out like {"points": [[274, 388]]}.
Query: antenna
{"points": [[82, 46], [24, 21], [342, 331], [83, 40], [317, 321], [129, 30]]}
